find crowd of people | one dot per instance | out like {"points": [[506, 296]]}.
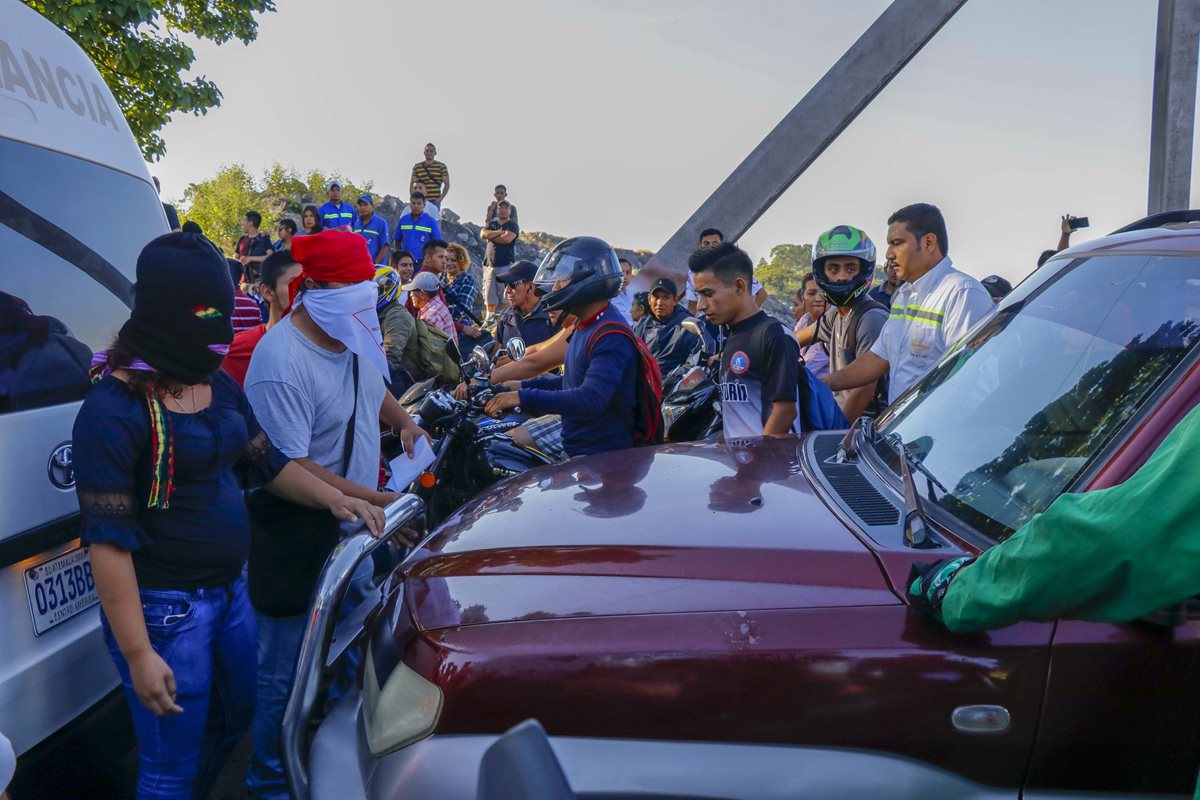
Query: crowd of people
{"points": [[235, 420]]}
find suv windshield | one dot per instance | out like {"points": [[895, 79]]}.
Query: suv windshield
{"points": [[1010, 418]]}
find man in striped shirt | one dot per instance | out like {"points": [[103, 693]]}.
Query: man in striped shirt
{"points": [[246, 312], [434, 175]]}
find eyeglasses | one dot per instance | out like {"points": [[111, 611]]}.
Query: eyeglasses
{"points": [[512, 287]]}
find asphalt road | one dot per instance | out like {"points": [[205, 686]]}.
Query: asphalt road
{"points": [[116, 780]]}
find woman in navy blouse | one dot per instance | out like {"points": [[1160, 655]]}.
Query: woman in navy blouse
{"points": [[164, 445]]}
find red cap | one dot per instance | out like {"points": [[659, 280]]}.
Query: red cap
{"points": [[331, 255]]}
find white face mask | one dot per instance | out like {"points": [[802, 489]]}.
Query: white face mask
{"points": [[348, 315]]}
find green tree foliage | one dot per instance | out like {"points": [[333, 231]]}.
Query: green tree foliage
{"points": [[136, 46], [781, 273], [220, 203]]}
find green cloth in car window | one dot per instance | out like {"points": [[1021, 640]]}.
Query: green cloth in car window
{"points": [[1111, 555]]}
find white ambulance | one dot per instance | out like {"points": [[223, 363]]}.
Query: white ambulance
{"points": [[77, 204]]}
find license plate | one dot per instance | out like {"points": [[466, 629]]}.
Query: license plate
{"points": [[60, 588]]}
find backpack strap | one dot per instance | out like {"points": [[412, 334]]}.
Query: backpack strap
{"points": [[856, 314], [604, 329]]}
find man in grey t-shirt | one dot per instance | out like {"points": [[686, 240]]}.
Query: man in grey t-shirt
{"points": [[301, 385], [304, 394], [847, 335]]}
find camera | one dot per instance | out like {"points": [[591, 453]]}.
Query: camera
{"points": [[1077, 222]]}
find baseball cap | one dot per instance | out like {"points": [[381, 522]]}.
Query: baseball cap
{"points": [[520, 271], [666, 284], [332, 184], [996, 286], [424, 281], [366, 198]]}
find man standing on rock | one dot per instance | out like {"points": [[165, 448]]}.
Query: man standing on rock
{"points": [[434, 175], [416, 227], [501, 235], [336, 214]]}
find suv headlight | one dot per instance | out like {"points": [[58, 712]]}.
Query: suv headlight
{"points": [[405, 710]]}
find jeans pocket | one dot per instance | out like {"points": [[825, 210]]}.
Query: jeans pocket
{"points": [[165, 618]]}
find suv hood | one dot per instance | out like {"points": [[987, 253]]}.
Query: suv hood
{"points": [[676, 528]]}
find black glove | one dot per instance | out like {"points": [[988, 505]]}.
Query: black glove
{"points": [[927, 584]]}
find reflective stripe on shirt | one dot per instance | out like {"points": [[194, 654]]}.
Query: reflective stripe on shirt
{"points": [[927, 318]]}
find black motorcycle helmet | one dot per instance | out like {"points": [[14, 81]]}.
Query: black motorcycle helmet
{"points": [[584, 269]]}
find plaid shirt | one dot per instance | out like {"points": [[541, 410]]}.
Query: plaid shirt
{"points": [[437, 315], [460, 295]]}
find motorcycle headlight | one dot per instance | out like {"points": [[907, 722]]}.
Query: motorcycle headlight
{"points": [[402, 711]]}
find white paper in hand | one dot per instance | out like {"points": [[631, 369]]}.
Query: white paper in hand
{"points": [[405, 470]]}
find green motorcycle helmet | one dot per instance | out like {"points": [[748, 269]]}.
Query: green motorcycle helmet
{"points": [[840, 242]]}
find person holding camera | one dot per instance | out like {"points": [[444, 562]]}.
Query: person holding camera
{"points": [[1068, 226]]}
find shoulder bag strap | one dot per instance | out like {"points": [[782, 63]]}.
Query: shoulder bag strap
{"points": [[348, 448]]}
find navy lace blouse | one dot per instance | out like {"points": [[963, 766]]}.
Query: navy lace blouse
{"points": [[202, 539]]}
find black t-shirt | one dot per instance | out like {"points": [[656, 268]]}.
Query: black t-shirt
{"points": [[759, 366], [504, 253], [257, 245]]}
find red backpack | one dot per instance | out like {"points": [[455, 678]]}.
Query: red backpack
{"points": [[648, 392]]}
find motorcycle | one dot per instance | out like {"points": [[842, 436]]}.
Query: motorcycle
{"points": [[691, 407], [471, 450], [514, 349]]}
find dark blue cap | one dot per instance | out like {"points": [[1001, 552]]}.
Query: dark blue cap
{"points": [[520, 271]]}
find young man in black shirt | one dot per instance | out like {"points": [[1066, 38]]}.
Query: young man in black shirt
{"points": [[761, 361]]}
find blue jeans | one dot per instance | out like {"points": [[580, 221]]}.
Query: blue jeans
{"points": [[206, 636], [279, 641], [278, 648]]}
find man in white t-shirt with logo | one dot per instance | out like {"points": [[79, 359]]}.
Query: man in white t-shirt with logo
{"points": [[934, 307], [711, 237]]}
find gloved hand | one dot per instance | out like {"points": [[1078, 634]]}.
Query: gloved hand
{"points": [[927, 584]]}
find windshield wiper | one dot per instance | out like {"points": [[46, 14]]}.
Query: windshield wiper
{"points": [[911, 459], [916, 524]]}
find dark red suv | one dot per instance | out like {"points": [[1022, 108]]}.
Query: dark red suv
{"points": [[719, 620]]}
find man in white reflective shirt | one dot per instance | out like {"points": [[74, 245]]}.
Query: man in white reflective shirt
{"points": [[931, 310]]}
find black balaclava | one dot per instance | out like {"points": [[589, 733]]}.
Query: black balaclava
{"points": [[182, 320]]}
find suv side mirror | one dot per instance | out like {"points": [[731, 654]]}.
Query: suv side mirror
{"points": [[522, 764]]}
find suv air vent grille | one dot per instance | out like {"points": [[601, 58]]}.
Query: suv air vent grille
{"points": [[849, 484]]}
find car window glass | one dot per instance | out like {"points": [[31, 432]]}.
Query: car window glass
{"points": [[44, 357], [1009, 420]]}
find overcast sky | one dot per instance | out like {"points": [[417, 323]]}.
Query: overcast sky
{"points": [[617, 118]]}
